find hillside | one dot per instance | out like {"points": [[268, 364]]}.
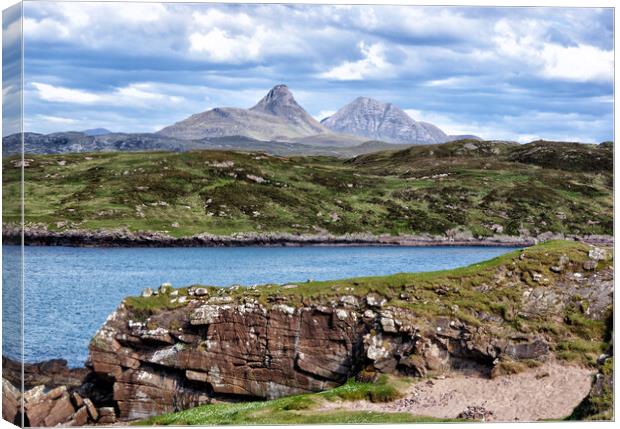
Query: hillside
{"points": [[482, 188]]}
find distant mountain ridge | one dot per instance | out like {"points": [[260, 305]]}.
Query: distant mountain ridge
{"points": [[96, 132]]}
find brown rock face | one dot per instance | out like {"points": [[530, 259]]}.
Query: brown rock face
{"points": [[212, 343], [219, 346], [226, 349]]}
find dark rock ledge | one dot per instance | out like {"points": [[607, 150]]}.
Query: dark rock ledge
{"points": [[38, 236]]}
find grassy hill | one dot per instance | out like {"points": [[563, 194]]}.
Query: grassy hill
{"points": [[484, 187]]}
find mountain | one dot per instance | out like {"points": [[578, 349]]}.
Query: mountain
{"points": [[280, 102], [455, 137], [96, 132], [277, 116], [375, 120]]}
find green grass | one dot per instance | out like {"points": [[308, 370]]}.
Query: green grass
{"points": [[190, 193], [381, 390], [299, 409]]}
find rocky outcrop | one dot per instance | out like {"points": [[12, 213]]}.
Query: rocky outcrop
{"points": [[173, 349], [45, 406], [41, 236]]}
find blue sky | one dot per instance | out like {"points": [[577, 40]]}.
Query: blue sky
{"points": [[501, 73]]}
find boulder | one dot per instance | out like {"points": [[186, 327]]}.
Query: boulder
{"points": [[79, 418], [107, 415], [77, 399], [92, 411], [165, 288], [375, 300], [60, 411], [597, 254], [11, 398], [534, 349]]}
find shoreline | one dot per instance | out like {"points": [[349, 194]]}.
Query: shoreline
{"points": [[122, 238]]}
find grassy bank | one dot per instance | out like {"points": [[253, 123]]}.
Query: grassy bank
{"points": [[481, 187], [299, 409]]}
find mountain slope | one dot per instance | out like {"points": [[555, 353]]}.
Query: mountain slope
{"points": [[276, 117], [382, 121], [280, 102]]}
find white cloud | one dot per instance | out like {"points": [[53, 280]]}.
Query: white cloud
{"points": [[57, 119], [579, 63], [221, 47], [525, 42], [226, 37], [374, 64], [519, 127], [323, 114], [61, 94], [136, 94]]}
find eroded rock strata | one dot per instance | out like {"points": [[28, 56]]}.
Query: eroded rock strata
{"points": [[172, 349]]}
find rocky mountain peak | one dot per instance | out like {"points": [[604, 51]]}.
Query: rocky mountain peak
{"points": [[373, 119], [278, 100]]}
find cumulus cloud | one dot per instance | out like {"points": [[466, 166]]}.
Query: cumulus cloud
{"points": [[466, 69], [372, 65], [528, 43]]}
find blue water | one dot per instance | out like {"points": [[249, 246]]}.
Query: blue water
{"points": [[69, 292]]}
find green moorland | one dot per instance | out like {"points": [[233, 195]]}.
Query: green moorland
{"points": [[477, 186], [573, 336]]}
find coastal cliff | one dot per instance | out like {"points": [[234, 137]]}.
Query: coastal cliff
{"points": [[172, 349]]}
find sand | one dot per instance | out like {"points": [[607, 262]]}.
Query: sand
{"points": [[550, 391]]}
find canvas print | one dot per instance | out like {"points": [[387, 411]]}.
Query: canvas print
{"points": [[299, 214]]}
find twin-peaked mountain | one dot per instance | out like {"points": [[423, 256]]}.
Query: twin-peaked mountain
{"points": [[277, 124], [279, 117]]}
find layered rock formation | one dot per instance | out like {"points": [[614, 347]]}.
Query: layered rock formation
{"points": [[173, 349]]}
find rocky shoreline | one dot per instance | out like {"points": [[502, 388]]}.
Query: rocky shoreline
{"points": [[39, 236], [173, 349]]}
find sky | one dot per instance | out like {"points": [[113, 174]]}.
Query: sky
{"points": [[500, 73]]}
